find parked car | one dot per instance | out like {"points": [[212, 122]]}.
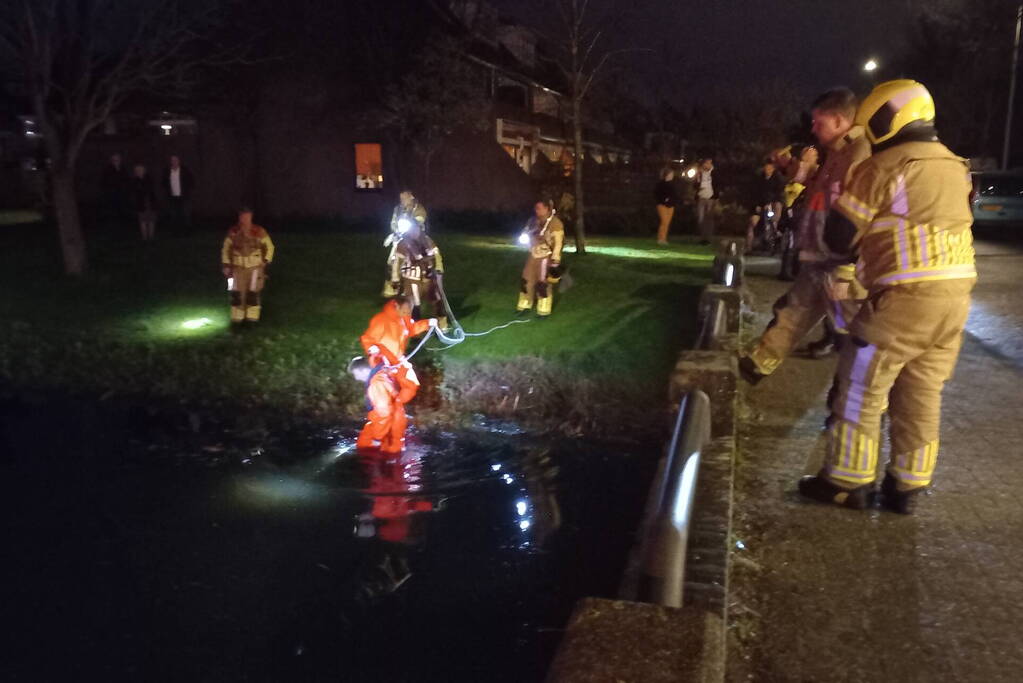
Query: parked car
{"points": [[997, 198]]}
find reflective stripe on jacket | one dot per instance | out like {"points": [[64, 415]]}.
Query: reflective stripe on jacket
{"points": [[910, 207], [247, 248]]}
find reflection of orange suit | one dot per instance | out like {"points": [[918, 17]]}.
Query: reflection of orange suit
{"points": [[392, 503], [388, 389], [388, 334]]}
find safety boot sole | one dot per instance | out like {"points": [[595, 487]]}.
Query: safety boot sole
{"points": [[894, 500], [748, 371], [823, 491]]}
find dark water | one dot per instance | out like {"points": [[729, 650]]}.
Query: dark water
{"points": [[140, 553]]}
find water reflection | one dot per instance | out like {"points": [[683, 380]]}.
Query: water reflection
{"points": [[395, 489]]}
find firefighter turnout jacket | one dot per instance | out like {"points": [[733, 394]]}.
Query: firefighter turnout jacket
{"points": [[247, 248], [546, 239], [415, 213], [417, 258], [907, 216]]}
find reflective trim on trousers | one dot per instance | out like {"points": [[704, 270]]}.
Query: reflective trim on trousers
{"points": [[852, 455], [853, 403], [915, 468]]}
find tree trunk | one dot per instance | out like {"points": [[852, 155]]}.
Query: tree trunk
{"points": [[579, 225], [69, 226]]}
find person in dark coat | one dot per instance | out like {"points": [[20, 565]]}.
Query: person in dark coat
{"points": [[114, 181], [143, 200]]}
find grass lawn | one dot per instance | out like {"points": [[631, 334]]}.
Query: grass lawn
{"points": [[119, 331]]}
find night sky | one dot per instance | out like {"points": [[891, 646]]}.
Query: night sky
{"points": [[810, 44]]}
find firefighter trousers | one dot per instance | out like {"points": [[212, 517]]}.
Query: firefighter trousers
{"points": [[534, 283], [796, 313], [386, 430], [902, 349], [246, 288], [426, 299]]}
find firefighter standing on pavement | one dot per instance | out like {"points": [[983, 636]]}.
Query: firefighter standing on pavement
{"points": [[246, 253], [905, 219], [545, 236], [806, 303], [407, 213]]}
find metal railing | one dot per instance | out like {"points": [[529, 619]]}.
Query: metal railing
{"points": [[727, 268], [658, 570], [715, 325], [666, 529]]}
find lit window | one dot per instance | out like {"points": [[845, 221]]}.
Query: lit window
{"points": [[369, 166]]}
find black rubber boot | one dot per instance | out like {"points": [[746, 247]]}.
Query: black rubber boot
{"points": [[823, 491], [749, 372], [822, 348], [902, 502]]}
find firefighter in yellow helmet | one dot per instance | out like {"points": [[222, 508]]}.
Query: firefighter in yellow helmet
{"points": [[905, 219], [244, 257], [409, 212], [545, 236]]}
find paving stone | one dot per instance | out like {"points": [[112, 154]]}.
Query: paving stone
{"points": [[833, 595]]}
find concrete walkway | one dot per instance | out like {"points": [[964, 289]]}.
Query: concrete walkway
{"points": [[828, 594]]}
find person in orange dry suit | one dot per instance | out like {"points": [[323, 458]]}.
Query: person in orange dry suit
{"points": [[391, 381], [389, 330], [388, 389]]}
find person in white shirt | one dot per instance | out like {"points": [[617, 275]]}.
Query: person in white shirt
{"points": [[706, 196], [178, 184]]}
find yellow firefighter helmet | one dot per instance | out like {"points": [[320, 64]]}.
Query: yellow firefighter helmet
{"points": [[892, 106]]}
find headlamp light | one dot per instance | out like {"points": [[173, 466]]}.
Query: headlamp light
{"points": [[403, 225], [524, 239]]}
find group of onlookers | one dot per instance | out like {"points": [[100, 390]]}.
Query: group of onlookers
{"points": [[136, 194], [704, 195]]}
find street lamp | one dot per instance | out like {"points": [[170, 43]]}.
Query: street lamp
{"points": [[870, 66]]}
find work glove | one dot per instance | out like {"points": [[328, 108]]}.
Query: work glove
{"points": [[434, 322], [226, 270], [389, 240], [837, 282], [555, 271]]}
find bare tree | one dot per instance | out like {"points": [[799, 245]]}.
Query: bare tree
{"points": [[78, 60], [582, 54], [443, 93]]}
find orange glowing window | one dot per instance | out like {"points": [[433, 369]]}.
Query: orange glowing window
{"points": [[369, 166]]}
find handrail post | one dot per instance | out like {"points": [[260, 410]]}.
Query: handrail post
{"points": [[666, 532]]}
